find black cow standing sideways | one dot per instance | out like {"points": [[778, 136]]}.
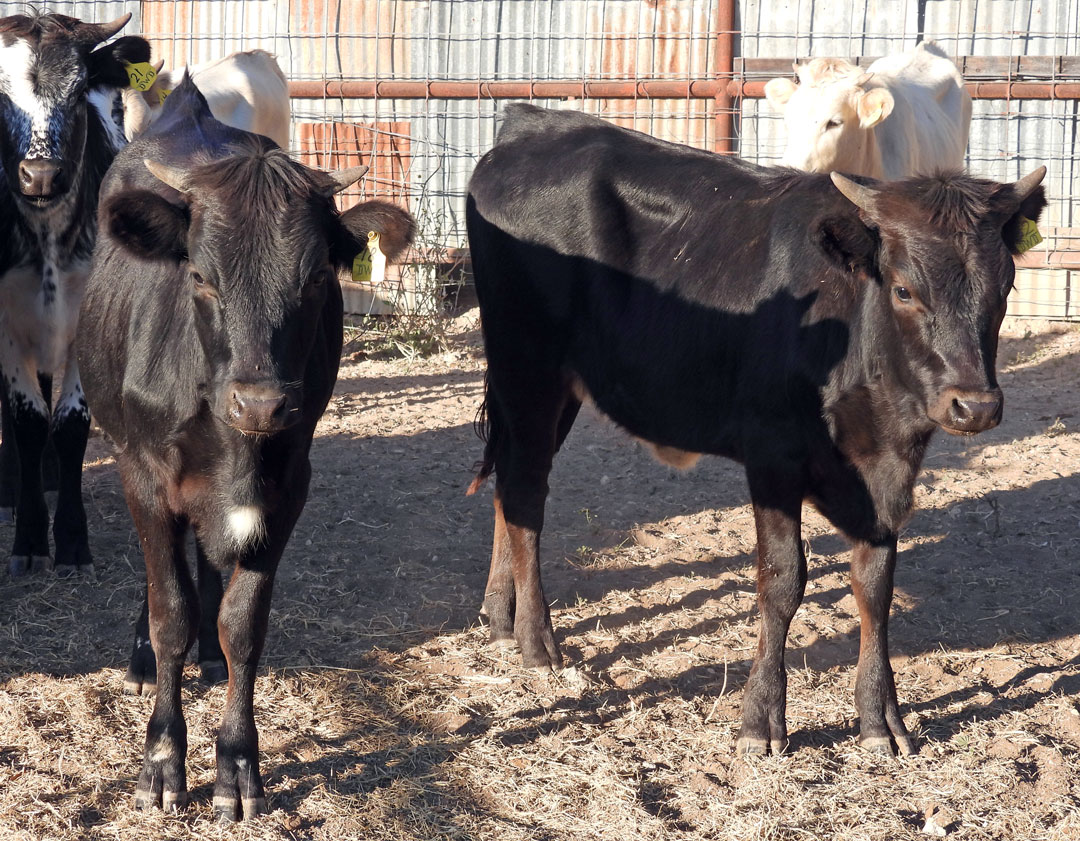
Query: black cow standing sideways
{"points": [[817, 329], [60, 103], [209, 342]]}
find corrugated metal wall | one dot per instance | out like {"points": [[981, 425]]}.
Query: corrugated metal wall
{"points": [[422, 151]]}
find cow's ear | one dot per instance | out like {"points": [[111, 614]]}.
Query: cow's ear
{"points": [[396, 229], [874, 106], [1026, 199], [847, 243], [106, 64], [146, 224], [778, 92]]}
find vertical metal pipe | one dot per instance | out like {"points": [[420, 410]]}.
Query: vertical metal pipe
{"points": [[723, 122]]}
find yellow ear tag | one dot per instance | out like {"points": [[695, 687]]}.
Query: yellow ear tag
{"points": [[141, 74], [1029, 236], [363, 267], [162, 95]]}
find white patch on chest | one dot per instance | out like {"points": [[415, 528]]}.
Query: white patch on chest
{"points": [[245, 525]]}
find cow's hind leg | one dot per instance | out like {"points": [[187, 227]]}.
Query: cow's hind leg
{"points": [[880, 723], [211, 658], [141, 677], [500, 602], [781, 581], [70, 429], [534, 419]]}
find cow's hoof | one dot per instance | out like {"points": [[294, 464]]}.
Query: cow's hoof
{"points": [[66, 570], [539, 650], [880, 745], [229, 809], [747, 746], [139, 686], [213, 671], [174, 801], [169, 801], [502, 642], [7, 515], [20, 565], [72, 556]]}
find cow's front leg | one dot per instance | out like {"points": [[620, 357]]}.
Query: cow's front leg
{"points": [[245, 608], [173, 613], [880, 724], [30, 431], [70, 429], [781, 580]]}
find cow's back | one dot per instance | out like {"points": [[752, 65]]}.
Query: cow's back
{"points": [[611, 250], [928, 129]]}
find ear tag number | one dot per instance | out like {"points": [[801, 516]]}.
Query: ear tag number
{"points": [[361, 267], [369, 266], [1029, 235], [141, 74], [162, 95]]}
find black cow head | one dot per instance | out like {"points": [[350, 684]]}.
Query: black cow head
{"points": [[943, 249], [258, 242], [48, 68]]}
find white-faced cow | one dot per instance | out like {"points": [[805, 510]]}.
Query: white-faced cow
{"points": [[909, 114], [816, 329], [209, 342], [58, 94], [245, 90]]}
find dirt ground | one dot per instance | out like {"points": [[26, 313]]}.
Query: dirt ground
{"points": [[384, 715]]}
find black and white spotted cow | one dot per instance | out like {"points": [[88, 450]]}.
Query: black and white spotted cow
{"points": [[60, 128]]}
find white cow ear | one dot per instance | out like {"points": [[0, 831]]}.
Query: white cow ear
{"points": [[778, 92], [874, 106]]}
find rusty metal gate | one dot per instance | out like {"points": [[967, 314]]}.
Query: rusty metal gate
{"points": [[413, 87]]}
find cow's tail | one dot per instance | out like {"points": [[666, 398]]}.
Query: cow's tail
{"points": [[489, 429]]}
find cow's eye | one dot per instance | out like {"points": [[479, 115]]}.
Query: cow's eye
{"points": [[198, 281], [902, 294], [834, 123]]}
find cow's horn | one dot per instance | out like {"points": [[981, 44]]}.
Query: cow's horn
{"points": [[860, 195], [175, 178], [105, 31], [345, 178], [1026, 185]]}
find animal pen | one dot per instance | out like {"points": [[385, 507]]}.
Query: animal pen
{"points": [[414, 87]]}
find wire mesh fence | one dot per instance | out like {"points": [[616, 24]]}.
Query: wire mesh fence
{"points": [[414, 87]]}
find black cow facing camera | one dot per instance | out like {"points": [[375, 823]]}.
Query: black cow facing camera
{"points": [[816, 328], [209, 344]]}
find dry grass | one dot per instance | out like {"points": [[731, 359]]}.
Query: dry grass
{"points": [[383, 713]]}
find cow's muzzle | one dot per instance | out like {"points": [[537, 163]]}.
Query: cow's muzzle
{"points": [[259, 408], [41, 178], [963, 412]]}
